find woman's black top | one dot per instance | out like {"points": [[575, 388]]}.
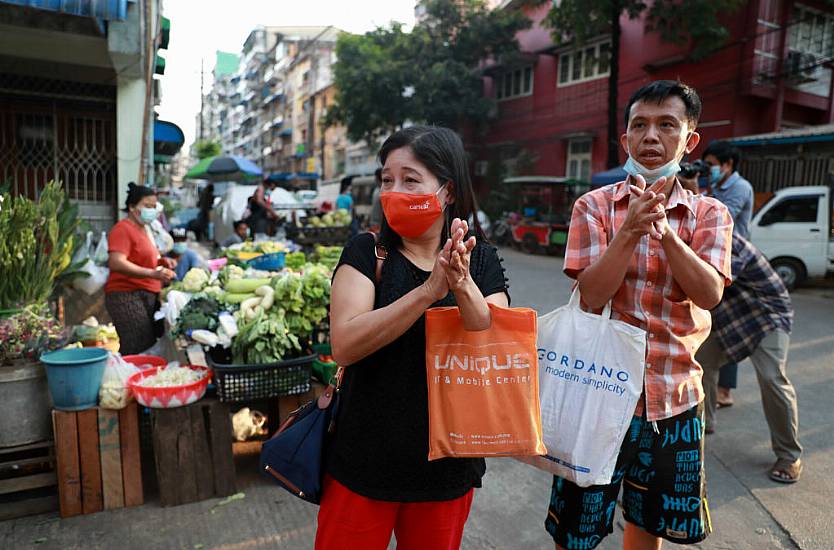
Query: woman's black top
{"points": [[380, 449]]}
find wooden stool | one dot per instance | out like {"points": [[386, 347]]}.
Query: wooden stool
{"points": [[193, 452], [98, 462]]}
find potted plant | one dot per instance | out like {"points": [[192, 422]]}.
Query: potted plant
{"points": [[36, 250]]}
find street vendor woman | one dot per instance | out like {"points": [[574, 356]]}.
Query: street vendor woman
{"points": [[379, 478], [137, 272]]}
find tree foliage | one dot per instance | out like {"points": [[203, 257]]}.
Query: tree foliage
{"points": [[697, 22], [430, 75], [206, 149]]}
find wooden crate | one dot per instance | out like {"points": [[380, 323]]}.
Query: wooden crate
{"points": [[193, 452], [99, 464], [27, 480]]}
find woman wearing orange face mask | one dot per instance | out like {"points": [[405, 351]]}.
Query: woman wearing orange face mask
{"points": [[379, 479]]}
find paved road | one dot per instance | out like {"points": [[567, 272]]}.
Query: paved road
{"points": [[749, 511]]}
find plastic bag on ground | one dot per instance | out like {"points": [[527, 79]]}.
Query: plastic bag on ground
{"points": [[114, 393]]}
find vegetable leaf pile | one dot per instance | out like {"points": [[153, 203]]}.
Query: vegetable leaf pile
{"points": [[301, 301]]}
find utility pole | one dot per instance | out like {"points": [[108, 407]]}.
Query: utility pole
{"points": [[202, 99]]}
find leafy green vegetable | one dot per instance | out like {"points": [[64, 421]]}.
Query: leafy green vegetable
{"points": [[301, 301], [295, 260], [200, 312]]}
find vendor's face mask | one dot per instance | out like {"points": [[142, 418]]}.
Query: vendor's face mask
{"points": [[147, 215], [411, 215], [180, 248]]}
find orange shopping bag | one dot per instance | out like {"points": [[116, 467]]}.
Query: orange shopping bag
{"points": [[483, 385]]}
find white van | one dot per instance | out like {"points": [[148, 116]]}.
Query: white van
{"points": [[794, 231]]}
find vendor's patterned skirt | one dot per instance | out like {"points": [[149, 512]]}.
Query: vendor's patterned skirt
{"points": [[132, 314]]}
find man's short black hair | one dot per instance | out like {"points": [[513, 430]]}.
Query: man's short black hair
{"points": [[236, 225], [724, 152], [659, 90]]}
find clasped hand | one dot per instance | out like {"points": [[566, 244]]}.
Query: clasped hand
{"points": [[451, 269], [646, 214]]}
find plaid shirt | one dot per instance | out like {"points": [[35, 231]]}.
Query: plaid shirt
{"points": [[756, 303], [649, 297]]}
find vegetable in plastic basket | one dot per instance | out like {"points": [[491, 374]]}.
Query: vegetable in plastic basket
{"points": [[195, 280], [172, 375], [300, 303]]}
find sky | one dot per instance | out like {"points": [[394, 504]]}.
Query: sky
{"points": [[200, 27]]}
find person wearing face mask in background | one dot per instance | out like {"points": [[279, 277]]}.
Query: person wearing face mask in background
{"points": [[660, 255], [378, 476], [184, 256], [736, 193], [137, 273]]}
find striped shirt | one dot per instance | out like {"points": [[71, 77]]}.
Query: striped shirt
{"points": [[649, 297]]}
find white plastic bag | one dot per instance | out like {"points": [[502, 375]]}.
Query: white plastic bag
{"points": [[114, 393], [95, 281], [102, 255], [97, 275], [590, 378]]}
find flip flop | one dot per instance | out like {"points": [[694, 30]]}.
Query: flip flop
{"points": [[785, 471]]}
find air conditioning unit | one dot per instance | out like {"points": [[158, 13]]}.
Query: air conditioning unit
{"points": [[801, 67]]}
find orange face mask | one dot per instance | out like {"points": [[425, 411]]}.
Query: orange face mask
{"points": [[410, 215]]}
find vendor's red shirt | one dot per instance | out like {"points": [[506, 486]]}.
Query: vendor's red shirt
{"points": [[133, 241]]}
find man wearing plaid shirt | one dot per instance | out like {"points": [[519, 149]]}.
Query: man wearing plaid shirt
{"points": [[661, 256], [754, 320]]}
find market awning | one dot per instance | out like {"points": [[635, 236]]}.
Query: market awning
{"points": [[307, 175], [108, 10], [280, 176], [614, 175], [159, 65], [165, 34], [168, 139], [809, 134]]}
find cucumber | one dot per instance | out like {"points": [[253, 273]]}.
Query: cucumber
{"points": [[236, 298], [245, 286]]}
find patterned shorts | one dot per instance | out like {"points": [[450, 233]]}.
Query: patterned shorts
{"points": [[664, 489], [132, 314]]}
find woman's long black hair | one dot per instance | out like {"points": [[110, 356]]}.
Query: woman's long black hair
{"points": [[441, 151]]}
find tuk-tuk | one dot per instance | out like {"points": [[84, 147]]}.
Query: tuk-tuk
{"points": [[544, 210]]}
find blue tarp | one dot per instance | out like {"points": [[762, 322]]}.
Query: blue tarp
{"points": [[614, 175], [109, 10]]}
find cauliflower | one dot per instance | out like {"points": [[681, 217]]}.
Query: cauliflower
{"points": [[214, 291], [229, 273], [195, 280]]}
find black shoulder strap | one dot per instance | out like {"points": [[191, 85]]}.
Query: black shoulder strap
{"points": [[381, 255]]}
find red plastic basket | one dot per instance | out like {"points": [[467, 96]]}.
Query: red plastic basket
{"points": [[171, 396], [142, 361]]}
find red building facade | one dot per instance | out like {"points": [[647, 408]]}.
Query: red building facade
{"points": [[774, 73]]}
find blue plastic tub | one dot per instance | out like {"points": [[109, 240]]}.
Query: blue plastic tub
{"points": [[269, 262], [74, 376]]}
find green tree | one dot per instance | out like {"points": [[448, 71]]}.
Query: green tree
{"points": [[693, 22], [206, 149], [431, 75]]}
